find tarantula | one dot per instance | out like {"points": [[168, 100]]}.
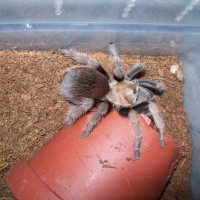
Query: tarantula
{"points": [[87, 84]]}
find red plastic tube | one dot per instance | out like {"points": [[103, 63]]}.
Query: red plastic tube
{"points": [[101, 167]]}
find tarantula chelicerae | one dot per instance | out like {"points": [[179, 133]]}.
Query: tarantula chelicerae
{"points": [[85, 85]]}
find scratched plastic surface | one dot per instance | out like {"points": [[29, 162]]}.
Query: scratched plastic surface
{"points": [[150, 27], [99, 167], [138, 26]]}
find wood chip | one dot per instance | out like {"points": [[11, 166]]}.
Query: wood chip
{"points": [[161, 72], [26, 97]]}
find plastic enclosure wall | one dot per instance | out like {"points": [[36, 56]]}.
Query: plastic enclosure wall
{"points": [[151, 27]]}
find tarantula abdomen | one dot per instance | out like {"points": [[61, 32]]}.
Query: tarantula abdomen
{"points": [[83, 82]]}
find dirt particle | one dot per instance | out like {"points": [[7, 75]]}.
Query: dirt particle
{"points": [[108, 166], [128, 159]]}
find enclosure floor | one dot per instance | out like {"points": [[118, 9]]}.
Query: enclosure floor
{"points": [[32, 110]]}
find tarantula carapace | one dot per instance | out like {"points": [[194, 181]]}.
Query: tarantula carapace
{"points": [[87, 84]]}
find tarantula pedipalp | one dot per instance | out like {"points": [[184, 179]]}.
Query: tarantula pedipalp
{"points": [[84, 85]]}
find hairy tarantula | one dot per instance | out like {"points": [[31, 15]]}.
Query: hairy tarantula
{"points": [[84, 85]]}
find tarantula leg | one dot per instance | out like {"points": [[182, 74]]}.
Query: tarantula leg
{"points": [[152, 85], [83, 59], [134, 71], [137, 132], [77, 111], [153, 108], [101, 111], [79, 57], [143, 96], [118, 69]]}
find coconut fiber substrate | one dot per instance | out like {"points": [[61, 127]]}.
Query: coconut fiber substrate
{"points": [[32, 109]]}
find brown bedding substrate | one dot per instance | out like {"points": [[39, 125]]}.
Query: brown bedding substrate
{"points": [[32, 110]]}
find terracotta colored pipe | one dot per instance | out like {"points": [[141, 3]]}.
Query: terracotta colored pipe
{"points": [[101, 167]]}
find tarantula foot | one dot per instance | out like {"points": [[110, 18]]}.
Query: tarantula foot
{"points": [[137, 154], [85, 134], [70, 121], [162, 143], [161, 138], [136, 148], [119, 73]]}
